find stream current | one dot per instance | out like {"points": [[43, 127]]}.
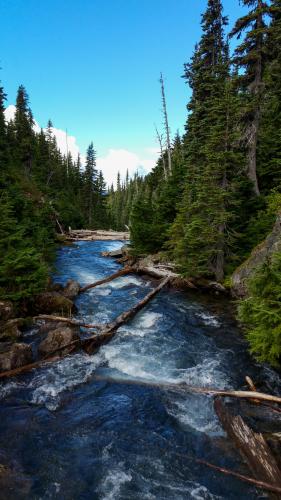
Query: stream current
{"points": [[69, 436]]}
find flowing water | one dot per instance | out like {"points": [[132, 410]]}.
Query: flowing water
{"points": [[69, 436]]}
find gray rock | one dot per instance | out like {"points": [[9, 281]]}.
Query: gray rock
{"points": [[14, 356], [258, 256], [49, 326], [9, 329], [56, 339], [72, 289], [6, 310]]}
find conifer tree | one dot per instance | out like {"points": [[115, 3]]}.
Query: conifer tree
{"points": [[3, 139], [199, 236], [250, 57], [90, 177], [23, 129]]}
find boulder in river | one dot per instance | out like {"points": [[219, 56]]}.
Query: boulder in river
{"points": [[56, 339], [9, 329], [14, 355], [71, 289], [6, 310], [53, 302]]}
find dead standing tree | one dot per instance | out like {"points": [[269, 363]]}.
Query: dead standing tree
{"points": [[166, 123]]}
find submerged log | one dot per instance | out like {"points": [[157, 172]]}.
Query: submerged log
{"points": [[122, 272], [259, 484], [110, 329], [252, 446]]}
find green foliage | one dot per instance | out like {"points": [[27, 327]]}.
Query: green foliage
{"points": [[38, 188], [24, 248], [261, 312]]}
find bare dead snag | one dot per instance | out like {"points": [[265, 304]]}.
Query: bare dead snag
{"points": [[252, 446], [110, 329], [73, 322], [122, 272]]}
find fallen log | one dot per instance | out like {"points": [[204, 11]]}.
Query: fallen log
{"points": [[110, 329], [27, 368], [122, 272], [185, 388], [252, 446], [73, 322]]}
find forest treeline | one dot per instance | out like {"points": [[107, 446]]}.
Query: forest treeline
{"points": [[220, 194], [212, 197], [42, 192]]}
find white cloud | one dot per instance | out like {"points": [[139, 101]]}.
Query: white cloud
{"points": [[119, 160], [115, 160]]}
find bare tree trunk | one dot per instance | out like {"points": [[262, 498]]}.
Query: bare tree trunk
{"points": [[166, 124], [159, 137], [255, 89]]}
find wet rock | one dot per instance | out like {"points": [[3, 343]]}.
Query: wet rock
{"points": [[14, 355], [113, 253], [9, 330], [72, 289], [6, 310], [50, 326], [53, 303], [13, 483], [56, 339], [258, 256]]}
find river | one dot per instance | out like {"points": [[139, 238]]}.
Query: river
{"points": [[71, 437]]}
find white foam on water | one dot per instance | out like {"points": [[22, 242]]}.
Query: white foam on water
{"points": [[112, 483], [208, 373], [86, 277], [102, 292], [48, 385], [125, 281], [202, 493], [145, 321], [196, 411], [7, 388], [208, 319], [148, 319]]}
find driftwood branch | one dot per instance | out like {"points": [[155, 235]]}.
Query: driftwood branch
{"points": [[242, 477], [252, 446], [72, 322], [122, 272]]}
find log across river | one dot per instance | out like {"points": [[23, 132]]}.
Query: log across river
{"points": [[111, 425]]}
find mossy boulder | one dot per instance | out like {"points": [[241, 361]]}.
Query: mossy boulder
{"points": [[53, 303], [260, 254]]}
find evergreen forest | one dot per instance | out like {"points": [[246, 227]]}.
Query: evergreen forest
{"points": [[212, 197]]}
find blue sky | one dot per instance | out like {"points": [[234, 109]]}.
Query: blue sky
{"points": [[93, 66]]}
